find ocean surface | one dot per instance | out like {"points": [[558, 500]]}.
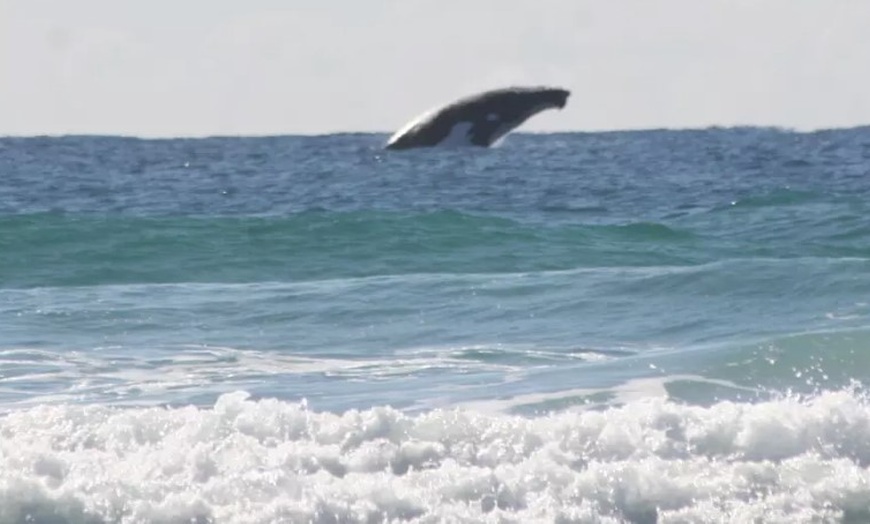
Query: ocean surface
{"points": [[647, 326]]}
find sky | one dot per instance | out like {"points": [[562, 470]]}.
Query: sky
{"points": [[160, 68]]}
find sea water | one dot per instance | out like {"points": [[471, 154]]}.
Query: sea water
{"points": [[649, 326]]}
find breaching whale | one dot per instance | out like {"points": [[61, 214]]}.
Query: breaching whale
{"points": [[478, 120]]}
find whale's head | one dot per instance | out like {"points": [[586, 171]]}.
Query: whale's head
{"points": [[518, 98], [528, 101], [554, 97]]}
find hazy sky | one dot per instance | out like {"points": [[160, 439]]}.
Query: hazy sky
{"points": [[232, 67]]}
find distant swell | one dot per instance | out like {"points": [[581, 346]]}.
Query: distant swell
{"points": [[59, 250]]}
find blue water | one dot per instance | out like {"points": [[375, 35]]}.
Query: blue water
{"points": [[535, 332]]}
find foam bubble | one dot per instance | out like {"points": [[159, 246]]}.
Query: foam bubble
{"points": [[246, 460]]}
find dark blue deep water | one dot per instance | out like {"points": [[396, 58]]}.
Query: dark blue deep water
{"points": [[295, 329]]}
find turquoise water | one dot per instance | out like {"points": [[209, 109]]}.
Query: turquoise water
{"points": [[535, 332]]}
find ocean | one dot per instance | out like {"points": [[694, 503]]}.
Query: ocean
{"points": [[644, 326]]}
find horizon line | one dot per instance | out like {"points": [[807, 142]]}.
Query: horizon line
{"points": [[205, 136]]}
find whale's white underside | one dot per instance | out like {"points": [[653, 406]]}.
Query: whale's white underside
{"points": [[459, 135]]}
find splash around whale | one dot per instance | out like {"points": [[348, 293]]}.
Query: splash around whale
{"points": [[478, 120]]}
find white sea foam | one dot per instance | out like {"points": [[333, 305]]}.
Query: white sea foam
{"points": [[651, 460], [115, 375], [112, 375]]}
